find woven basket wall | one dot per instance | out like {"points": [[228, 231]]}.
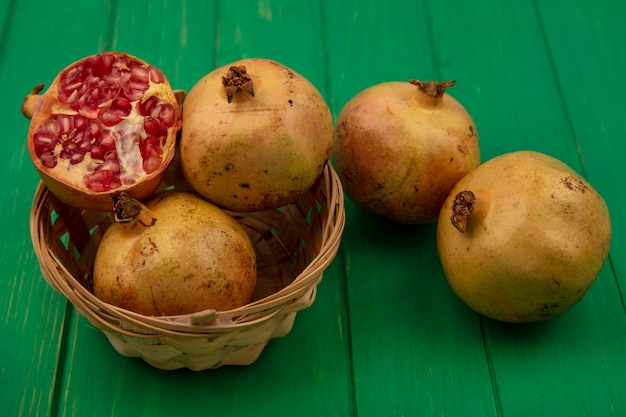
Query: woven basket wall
{"points": [[294, 245]]}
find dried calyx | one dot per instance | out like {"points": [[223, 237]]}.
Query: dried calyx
{"points": [[237, 79], [433, 88], [461, 208], [127, 209], [29, 101]]}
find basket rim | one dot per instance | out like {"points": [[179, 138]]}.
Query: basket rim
{"points": [[210, 320]]}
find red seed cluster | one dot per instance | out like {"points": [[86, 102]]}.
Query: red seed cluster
{"points": [[100, 93]]}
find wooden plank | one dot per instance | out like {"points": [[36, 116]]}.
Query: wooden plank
{"points": [[532, 78], [519, 105], [306, 372], [572, 363], [32, 324], [597, 126], [6, 11], [582, 44], [416, 349], [177, 37], [286, 31], [506, 85], [303, 373]]}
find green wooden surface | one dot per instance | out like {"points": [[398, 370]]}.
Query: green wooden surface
{"points": [[386, 335]]}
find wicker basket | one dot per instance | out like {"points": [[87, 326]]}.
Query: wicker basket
{"points": [[294, 245]]}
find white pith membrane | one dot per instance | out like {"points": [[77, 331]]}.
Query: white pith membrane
{"points": [[128, 156]]}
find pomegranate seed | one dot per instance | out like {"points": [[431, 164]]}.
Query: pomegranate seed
{"points": [[146, 106], [44, 141], [108, 140], [78, 137], [151, 164], [104, 64], [51, 127], [109, 93], [136, 86], [94, 97], [70, 75], [110, 165], [48, 159], [68, 97], [115, 183], [110, 155], [80, 122], [94, 128], [156, 110], [150, 147], [152, 126], [97, 186], [76, 85], [122, 104], [110, 117], [156, 76], [92, 81], [64, 124], [124, 78], [167, 115], [96, 153], [125, 62], [140, 74], [76, 158], [92, 62], [98, 181], [135, 95]]}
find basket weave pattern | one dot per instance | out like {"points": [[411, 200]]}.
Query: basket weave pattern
{"points": [[294, 245]]}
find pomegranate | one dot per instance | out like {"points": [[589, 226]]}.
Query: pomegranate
{"points": [[401, 146], [522, 237], [108, 123], [177, 254], [255, 135]]}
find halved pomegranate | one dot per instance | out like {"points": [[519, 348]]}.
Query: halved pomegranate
{"points": [[108, 123]]}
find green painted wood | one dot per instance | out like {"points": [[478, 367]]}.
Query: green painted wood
{"points": [[386, 335], [6, 10], [177, 37], [416, 349], [535, 367], [290, 32], [31, 313], [596, 112], [304, 373], [597, 382]]}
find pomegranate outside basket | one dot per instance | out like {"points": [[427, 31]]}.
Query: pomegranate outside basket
{"points": [[294, 245]]}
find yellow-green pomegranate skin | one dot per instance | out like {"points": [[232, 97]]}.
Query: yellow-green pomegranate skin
{"points": [[535, 240], [179, 256], [256, 152], [399, 150]]}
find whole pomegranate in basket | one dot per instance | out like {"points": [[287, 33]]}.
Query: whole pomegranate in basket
{"points": [[401, 146], [107, 123], [256, 135], [522, 237], [177, 254]]}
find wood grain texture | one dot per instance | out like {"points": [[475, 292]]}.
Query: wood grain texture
{"points": [[386, 335], [583, 43], [412, 339], [32, 315]]}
